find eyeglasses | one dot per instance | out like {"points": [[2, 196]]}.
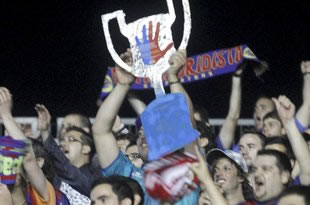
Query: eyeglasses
{"points": [[70, 140], [133, 156]]}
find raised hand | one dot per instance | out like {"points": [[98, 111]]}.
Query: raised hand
{"points": [[200, 168], [285, 108], [123, 77], [44, 120], [149, 46], [176, 61], [305, 66], [5, 102]]}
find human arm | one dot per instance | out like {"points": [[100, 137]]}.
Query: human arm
{"points": [[229, 126], [211, 191], [177, 61], [5, 195], [286, 110], [74, 176], [34, 172], [137, 104], [227, 131], [303, 113], [9, 123], [105, 142]]}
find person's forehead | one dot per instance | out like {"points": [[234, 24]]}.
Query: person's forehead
{"points": [[101, 191], [132, 149], [223, 161], [72, 119], [250, 137], [271, 120], [264, 102], [73, 133], [268, 160]]}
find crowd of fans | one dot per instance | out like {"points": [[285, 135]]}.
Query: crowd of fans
{"points": [[103, 163]]}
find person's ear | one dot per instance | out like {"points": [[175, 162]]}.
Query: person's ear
{"points": [[126, 201], [203, 141], [40, 161], [285, 177], [86, 149]]}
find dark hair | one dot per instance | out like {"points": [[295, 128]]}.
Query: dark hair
{"points": [[48, 166], [206, 132], [247, 190], [274, 115], [118, 185], [284, 142], [125, 136], [131, 143], [303, 191], [306, 136], [203, 112], [135, 187], [86, 138], [282, 160], [256, 133], [85, 122]]}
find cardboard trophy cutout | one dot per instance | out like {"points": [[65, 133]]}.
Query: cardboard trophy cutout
{"points": [[150, 41]]}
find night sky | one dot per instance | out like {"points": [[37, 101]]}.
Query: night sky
{"points": [[54, 52]]}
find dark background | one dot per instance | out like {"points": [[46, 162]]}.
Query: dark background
{"points": [[54, 52]]}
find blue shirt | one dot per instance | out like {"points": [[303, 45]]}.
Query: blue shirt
{"points": [[123, 166]]}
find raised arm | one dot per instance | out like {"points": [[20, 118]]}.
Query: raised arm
{"points": [[227, 131], [105, 142], [303, 113], [10, 125], [201, 170], [137, 104], [177, 61], [34, 172], [286, 110]]}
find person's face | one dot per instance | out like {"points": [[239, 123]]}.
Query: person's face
{"points": [[69, 121], [292, 199], [122, 144], [250, 144], [134, 156], [72, 146], [103, 195], [268, 179], [226, 175], [272, 128], [262, 107], [143, 147]]}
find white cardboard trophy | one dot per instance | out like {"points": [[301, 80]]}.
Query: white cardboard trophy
{"points": [[150, 41]]}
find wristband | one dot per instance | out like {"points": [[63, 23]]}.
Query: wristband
{"points": [[306, 73], [237, 75], [174, 82]]}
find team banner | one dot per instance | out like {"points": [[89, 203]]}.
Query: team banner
{"points": [[198, 67], [11, 158]]}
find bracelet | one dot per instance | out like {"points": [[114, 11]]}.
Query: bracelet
{"points": [[178, 81], [306, 73], [237, 75]]}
